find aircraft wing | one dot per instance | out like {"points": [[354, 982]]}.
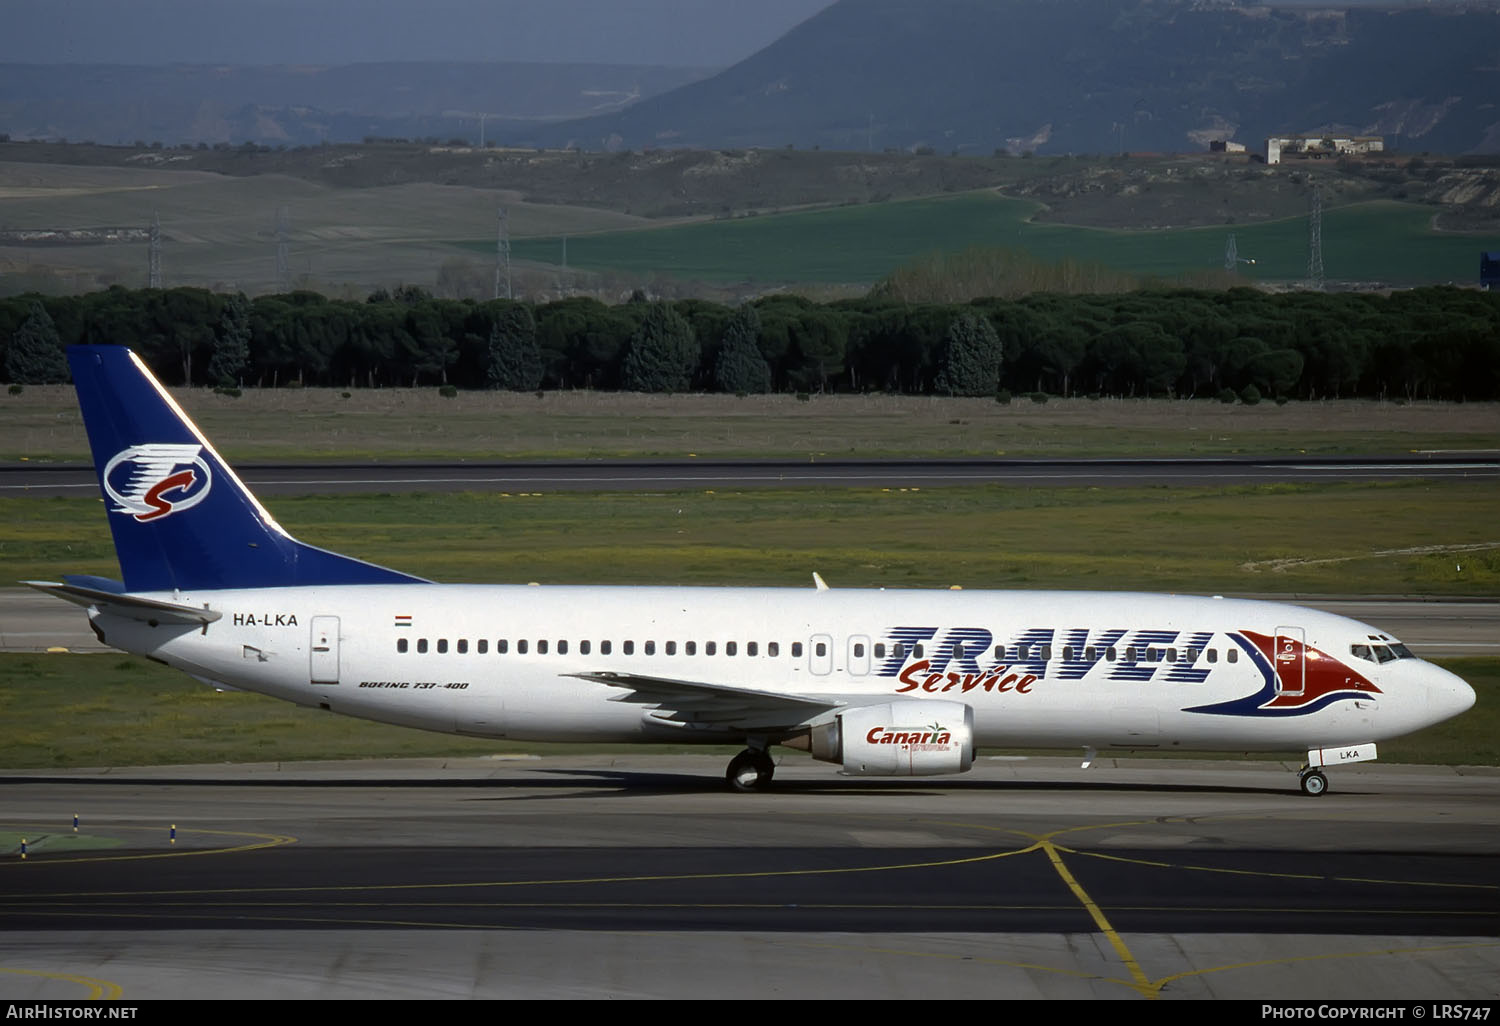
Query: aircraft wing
{"points": [[696, 704]]}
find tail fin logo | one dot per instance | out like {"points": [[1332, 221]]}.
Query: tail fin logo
{"points": [[156, 480]]}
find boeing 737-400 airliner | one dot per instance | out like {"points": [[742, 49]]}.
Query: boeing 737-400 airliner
{"points": [[888, 683]]}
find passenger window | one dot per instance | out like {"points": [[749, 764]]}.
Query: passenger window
{"points": [[690, 648], [773, 649], [1109, 655], [671, 648], [731, 648], [1091, 654], [442, 645], [584, 647], [421, 645], [1232, 656], [916, 651], [899, 650], [400, 644], [797, 649], [880, 650], [821, 649], [605, 647], [502, 646], [710, 648], [562, 648], [1021, 651], [651, 648], [859, 650], [1067, 653], [463, 646], [1213, 655], [521, 647], [541, 647], [1171, 655], [482, 645], [999, 652], [752, 648], [630, 648], [1046, 653]]}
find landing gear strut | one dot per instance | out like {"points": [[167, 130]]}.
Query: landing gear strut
{"points": [[751, 770], [1313, 782]]}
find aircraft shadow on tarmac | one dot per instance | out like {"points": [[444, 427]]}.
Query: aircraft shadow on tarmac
{"points": [[625, 783]]}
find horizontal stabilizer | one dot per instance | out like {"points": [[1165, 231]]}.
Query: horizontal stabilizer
{"points": [[132, 607]]}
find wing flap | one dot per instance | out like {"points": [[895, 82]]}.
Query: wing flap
{"points": [[695, 703]]}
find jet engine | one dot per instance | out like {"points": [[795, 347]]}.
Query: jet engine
{"points": [[898, 739]]}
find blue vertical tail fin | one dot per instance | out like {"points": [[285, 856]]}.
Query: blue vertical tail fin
{"points": [[180, 517]]}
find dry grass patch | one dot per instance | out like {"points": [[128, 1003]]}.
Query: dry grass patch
{"points": [[418, 424]]}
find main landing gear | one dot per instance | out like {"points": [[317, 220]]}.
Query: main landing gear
{"points": [[1313, 782], [751, 770]]}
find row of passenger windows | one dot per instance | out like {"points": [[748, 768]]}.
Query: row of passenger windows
{"points": [[772, 649], [543, 647]]}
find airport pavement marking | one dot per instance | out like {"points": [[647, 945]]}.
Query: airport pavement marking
{"points": [[1244, 817], [1054, 855], [1325, 877], [99, 990], [263, 841], [1139, 981], [1327, 956], [478, 884]]}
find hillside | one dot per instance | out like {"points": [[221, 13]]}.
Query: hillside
{"points": [[299, 105], [1085, 76]]}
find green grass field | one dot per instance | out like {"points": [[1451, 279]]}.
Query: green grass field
{"points": [[1405, 538], [1380, 241], [417, 424], [220, 232]]}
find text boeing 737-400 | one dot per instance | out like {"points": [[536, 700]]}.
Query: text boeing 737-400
{"points": [[891, 683]]}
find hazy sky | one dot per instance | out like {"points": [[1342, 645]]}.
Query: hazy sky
{"points": [[685, 33]]}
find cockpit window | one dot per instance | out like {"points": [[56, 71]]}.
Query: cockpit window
{"points": [[1381, 653]]}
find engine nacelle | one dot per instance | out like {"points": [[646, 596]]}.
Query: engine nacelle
{"points": [[898, 739]]}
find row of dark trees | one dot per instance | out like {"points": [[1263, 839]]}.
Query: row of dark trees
{"points": [[1435, 342]]}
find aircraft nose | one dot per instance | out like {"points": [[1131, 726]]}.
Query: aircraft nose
{"points": [[1447, 694]]}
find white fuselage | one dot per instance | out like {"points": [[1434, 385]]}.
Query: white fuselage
{"points": [[1039, 669]]}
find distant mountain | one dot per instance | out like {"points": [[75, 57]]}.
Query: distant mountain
{"points": [[1086, 76], [304, 105]]}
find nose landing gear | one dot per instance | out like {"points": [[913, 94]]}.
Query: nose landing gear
{"points": [[1312, 781]]}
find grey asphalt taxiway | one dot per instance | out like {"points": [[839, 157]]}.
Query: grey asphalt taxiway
{"points": [[621, 877]]}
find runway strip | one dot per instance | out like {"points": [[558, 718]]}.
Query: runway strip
{"points": [[645, 475]]}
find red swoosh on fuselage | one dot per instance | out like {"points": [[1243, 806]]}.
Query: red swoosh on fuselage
{"points": [[1324, 674]]}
